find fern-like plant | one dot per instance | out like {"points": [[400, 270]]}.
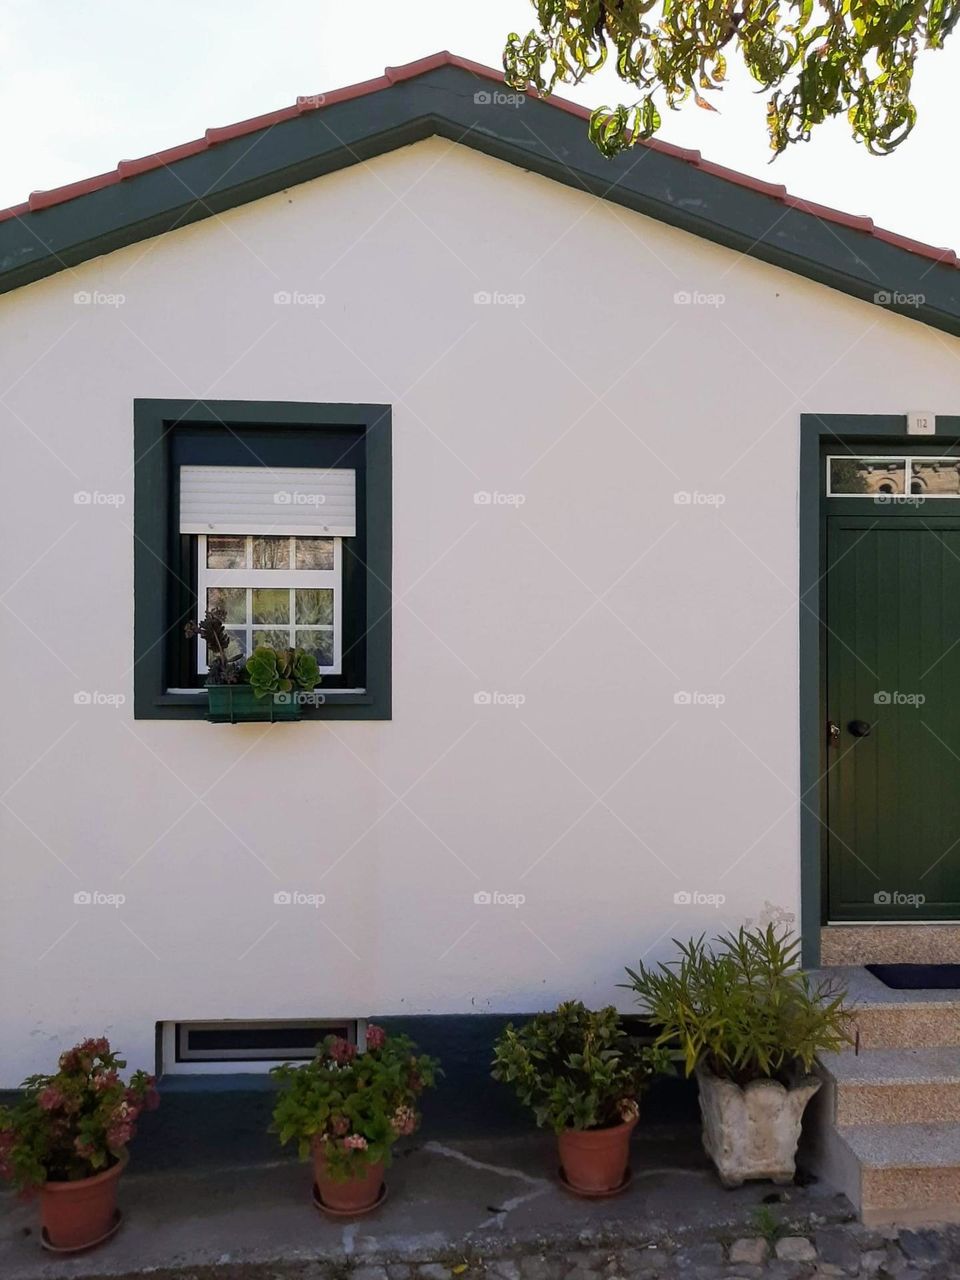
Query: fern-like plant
{"points": [[743, 1009]]}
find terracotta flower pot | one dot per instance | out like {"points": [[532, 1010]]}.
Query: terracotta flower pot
{"points": [[595, 1161], [347, 1195], [76, 1215]]}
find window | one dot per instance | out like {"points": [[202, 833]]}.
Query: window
{"points": [[899, 475], [281, 592], [281, 513]]}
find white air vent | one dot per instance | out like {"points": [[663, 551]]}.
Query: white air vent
{"points": [[233, 1046]]}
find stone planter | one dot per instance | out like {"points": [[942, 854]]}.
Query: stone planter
{"points": [[753, 1132]]}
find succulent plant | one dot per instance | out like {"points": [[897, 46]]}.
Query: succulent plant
{"points": [[273, 671], [221, 669]]}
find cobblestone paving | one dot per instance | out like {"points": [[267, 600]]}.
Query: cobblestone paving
{"points": [[836, 1251]]}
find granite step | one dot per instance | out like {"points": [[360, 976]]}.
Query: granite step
{"points": [[885, 1127], [894, 1086], [906, 1174], [889, 1019], [920, 943]]}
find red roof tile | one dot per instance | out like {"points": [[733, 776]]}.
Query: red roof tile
{"points": [[394, 75]]}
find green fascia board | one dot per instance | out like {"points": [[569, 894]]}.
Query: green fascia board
{"points": [[535, 136]]}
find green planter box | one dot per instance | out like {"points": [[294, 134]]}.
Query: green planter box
{"points": [[237, 704]]}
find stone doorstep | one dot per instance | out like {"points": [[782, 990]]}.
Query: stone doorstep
{"points": [[920, 943], [889, 1019], [895, 1086], [909, 1173], [924, 1026]]}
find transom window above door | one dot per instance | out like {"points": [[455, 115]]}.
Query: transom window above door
{"points": [[284, 592], [869, 476]]}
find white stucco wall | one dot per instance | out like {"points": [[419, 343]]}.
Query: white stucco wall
{"points": [[598, 600]]}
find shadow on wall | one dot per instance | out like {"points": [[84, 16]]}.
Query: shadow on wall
{"points": [[223, 1119]]}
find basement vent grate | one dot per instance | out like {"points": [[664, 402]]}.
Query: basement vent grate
{"points": [[261, 1044]]}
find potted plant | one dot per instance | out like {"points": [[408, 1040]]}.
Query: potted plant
{"points": [[347, 1109], [750, 1023], [67, 1138], [582, 1075], [266, 687]]}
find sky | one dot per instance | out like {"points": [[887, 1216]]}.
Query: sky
{"points": [[83, 86]]}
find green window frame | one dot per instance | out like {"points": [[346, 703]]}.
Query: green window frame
{"points": [[172, 433]]}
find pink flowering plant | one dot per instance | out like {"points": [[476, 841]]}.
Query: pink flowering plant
{"points": [[353, 1105], [76, 1123]]}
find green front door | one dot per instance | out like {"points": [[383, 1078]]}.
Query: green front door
{"points": [[892, 651]]}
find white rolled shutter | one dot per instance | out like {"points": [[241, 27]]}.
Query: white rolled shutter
{"points": [[269, 500]]}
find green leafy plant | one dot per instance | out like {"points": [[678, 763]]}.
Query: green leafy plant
{"points": [[766, 1223], [355, 1105], [75, 1123], [575, 1068], [221, 669], [744, 1010], [273, 671], [839, 57]]}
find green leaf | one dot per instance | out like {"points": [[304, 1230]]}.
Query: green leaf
{"points": [[852, 60]]}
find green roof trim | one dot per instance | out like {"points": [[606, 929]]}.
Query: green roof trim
{"points": [[546, 137]]}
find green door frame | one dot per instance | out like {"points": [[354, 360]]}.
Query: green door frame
{"points": [[816, 430]]}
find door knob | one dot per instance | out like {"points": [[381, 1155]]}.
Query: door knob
{"points": [[860, 728]]}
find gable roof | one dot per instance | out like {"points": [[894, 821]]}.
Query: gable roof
{"points": [[444, 95]]}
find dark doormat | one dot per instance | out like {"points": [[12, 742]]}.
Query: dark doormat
{"points": [[917, 977]]}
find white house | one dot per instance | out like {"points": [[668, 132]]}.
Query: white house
{"points": [[530, 448]]}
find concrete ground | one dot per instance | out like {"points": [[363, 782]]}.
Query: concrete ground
{"points": [[448, 1201]]}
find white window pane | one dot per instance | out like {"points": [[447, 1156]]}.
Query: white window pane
{"points": [[314, 553], [271, 604], [273, 639], [271, 553], [225, 552], [315, 606], [231, 599], [867, 475], [317, 642], [935, 477]]}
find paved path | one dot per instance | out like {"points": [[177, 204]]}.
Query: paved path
{"points": [[483, 1210]]}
